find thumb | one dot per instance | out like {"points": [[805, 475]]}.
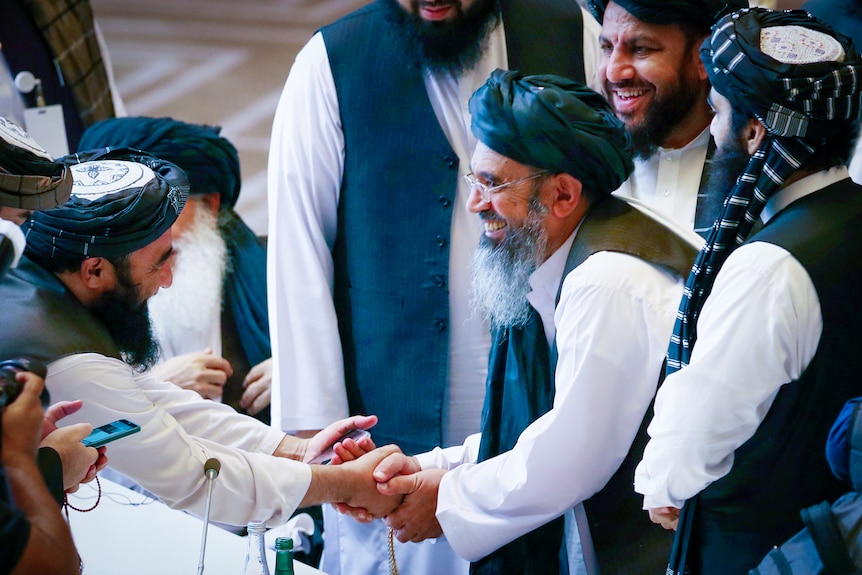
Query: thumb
{"points": [[399, 485]]}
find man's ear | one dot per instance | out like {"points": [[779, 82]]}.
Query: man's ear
{"points": [[96, 273], [752, 135], [698, 63], [567, 194]]}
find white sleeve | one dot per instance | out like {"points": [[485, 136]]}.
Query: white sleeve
{"points": [[758, 330], [166, 457], [613, 322], [304, 179], [451, 457]]}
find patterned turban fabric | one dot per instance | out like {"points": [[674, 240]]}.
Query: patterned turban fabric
{"points": [[553, 123], [29, 178], [803, 82], [701, 13], [210, 161], [119, 205]]}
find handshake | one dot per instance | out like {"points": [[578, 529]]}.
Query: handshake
{"points": [[389, 485]]}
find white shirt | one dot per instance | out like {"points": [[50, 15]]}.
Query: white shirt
{"points": [[612, 325], [179, 432], [669, 180], [305, 169], [758, 330]]}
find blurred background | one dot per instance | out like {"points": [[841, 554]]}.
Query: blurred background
{"points": [[217, 62]]}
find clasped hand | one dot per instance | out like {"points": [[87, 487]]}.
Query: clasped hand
{"points": [[397, 474]]}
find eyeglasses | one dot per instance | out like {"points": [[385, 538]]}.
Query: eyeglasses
{"points": [[485, 190]]}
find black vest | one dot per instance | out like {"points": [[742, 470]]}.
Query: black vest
{"points": [[44, 320], [391, 252], [783, 467]]}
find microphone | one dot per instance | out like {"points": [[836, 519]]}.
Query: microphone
{"points": [[211, 469]]}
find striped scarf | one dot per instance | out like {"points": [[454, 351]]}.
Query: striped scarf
{"points": [[799, 113]]}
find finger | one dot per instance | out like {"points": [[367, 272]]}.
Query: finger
{"points": [[255, 397], [399, 485], [218, 363], [61, 409], [396, 464], [208, 391]]}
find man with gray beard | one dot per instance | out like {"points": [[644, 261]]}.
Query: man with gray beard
{"points": [[581, 290], [211, 326]]}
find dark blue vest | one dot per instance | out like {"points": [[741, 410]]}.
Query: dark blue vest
{"points": [[391, 252], [782, 468]]}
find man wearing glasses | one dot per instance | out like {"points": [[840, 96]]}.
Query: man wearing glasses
{"points": [[581, 291]]}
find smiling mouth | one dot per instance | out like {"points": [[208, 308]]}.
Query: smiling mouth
{"points": [[629, 94]]}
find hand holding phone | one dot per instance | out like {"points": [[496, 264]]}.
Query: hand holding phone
{"points": [[325, 457], [109, 432]]}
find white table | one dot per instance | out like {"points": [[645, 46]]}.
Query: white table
{"points": [[131, 534]]}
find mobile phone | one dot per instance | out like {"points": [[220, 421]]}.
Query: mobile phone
{"points": [[325, 457], [109, 432]]}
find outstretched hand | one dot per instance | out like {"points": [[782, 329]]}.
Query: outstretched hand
{"points": [[415, 519]]}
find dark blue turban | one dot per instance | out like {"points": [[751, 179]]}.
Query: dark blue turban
{"points": [[210, 161], [553, 123], [121, 202], [701, 13]]}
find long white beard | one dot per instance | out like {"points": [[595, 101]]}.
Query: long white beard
{"points": [[185, 314], [501, 273]]}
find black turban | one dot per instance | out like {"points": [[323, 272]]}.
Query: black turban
{"points": [[553, 123], [121, 202], [701, 13], [29, 178], [791, 99], [807, 92], [209, 160]]}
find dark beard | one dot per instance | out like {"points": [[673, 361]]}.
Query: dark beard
{"points": [[453, 46], [661, 119], [501, 272], [128, 322], [728, 163]]}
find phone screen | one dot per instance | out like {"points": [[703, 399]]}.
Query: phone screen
{"points": [[109, 432]]}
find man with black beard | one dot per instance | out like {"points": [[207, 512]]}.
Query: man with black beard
{"points": [[580, 289], [766, 345], [370, 240], [77, 302], [651, 74], [211, 326]]}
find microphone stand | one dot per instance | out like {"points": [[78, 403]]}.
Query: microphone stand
{"points": [[211, 469]]}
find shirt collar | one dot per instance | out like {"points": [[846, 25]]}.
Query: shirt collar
{"points": [[801, 188], [545, 282]]}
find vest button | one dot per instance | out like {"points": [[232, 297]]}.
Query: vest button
{"points": [[440, 325], [439, 281], [441, 241], [450, 161], [444, 201]]}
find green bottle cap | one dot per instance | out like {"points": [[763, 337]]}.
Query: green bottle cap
{"points": [[284, 543]]}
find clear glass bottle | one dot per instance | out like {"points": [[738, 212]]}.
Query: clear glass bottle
{"points": [[283, 556], [255, 559]]}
